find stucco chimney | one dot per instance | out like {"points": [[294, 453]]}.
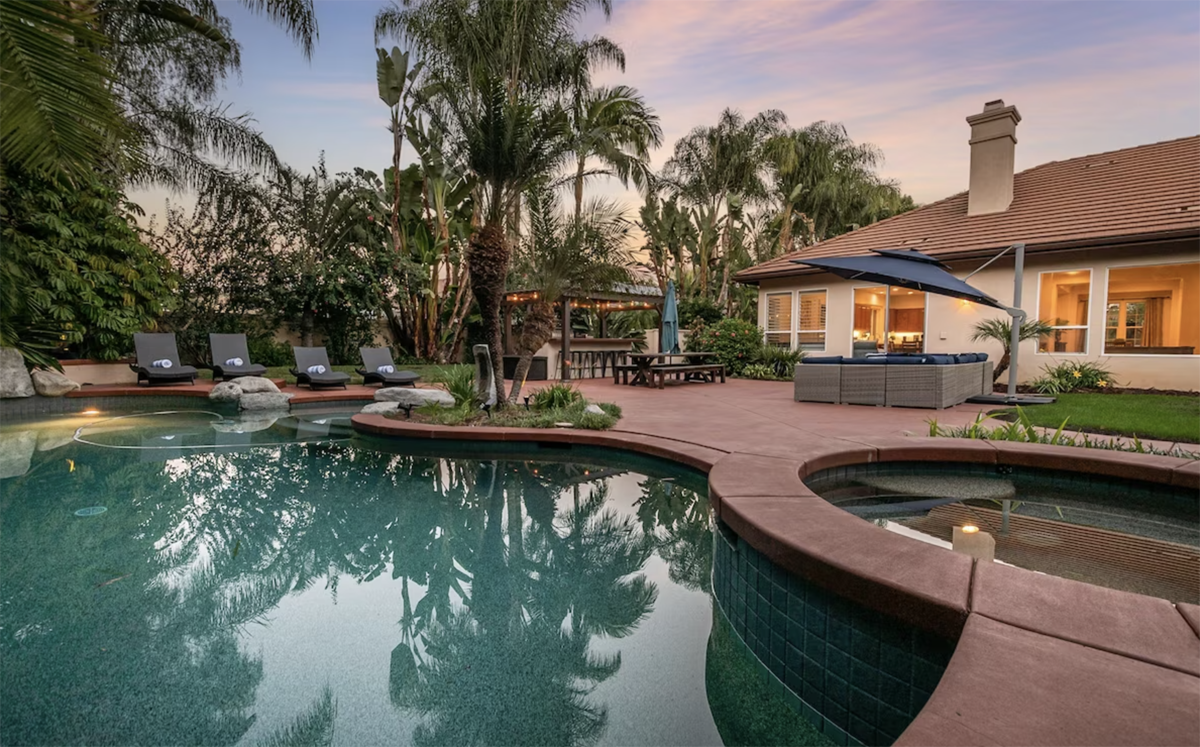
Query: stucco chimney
{"points": [[993, 144]]}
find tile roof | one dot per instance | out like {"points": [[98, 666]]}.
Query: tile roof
{"points": [[1151, 191]]}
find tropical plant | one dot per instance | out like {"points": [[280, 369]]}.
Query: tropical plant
{"points": [[698, 310], [74, 271], [1073, 375], [759, 371], [999, 330], [733, 342], [720, 169], [560, 256], [459, 382], [555, 397], [781, 361], [615, 126], [669, 238]]}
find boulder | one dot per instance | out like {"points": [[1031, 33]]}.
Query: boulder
{"points": [[52, 383], [594, 410], [264, 401], [255, 384], [415, 397], [226, 391], [14, 378], [381, 408], [16, 450], [50, 439]]}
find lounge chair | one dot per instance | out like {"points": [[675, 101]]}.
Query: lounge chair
{"points": [[378, 368], [231, 357], [158, 360], [313, 368]]}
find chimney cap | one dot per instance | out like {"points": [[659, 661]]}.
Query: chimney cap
{"points": [[993, 105], [993, 110]]}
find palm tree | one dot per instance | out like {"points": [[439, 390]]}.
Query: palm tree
{"points": [[562, 255], [615, 126], [720, 168], [1000, 330]]}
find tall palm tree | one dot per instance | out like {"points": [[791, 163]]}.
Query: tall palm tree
{"points": [[615, 126], [559, 256], [722, 167]]}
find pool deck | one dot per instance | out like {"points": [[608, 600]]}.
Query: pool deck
{"points": [[1040, 660]]}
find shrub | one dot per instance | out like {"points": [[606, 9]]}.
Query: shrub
{"points": [[459, 382], [554, 397], [735, 343], [782, 361], [759, 371], [267, 351], [1072, 376], [700, 310]]}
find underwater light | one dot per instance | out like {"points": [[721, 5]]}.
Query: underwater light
{"points": [[969, 529], [90, 411]]}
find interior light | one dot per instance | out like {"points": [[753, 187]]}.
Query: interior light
{"points": [[969, 529]]}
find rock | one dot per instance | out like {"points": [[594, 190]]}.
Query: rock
{"points": [[381, 408], [50, 439], [16, 449], [415, 397], [265, 401], [52, 383], [594, 410], [255, 384], [226, 391], [14, 379]]}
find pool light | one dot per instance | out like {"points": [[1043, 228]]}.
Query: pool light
{"points": [[968, 540], [90, 411], [969, 529]]}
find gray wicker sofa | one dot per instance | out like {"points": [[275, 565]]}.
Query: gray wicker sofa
{"points": [[896, 380]]}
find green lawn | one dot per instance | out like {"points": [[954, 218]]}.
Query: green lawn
{"points": [[1154, 416], [428, 373]]}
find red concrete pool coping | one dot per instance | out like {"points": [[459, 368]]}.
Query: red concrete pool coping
{"points": [[1040, 660]]}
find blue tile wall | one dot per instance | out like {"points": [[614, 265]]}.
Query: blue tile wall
{"points": [[859, 676]]}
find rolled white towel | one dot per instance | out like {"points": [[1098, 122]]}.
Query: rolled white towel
{"points": [[316, 369], [233, 362], [161, 363], [386, 369]]}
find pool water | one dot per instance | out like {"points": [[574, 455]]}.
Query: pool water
{"points": [[190, 578], [1122, 534]]}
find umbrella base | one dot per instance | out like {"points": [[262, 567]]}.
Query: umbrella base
{"points": [[1004, 399]]}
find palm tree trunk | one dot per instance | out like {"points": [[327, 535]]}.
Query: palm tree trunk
{"points": [[536, 331], [785, 230], [487, 262], [723, 296], [579, 190]]}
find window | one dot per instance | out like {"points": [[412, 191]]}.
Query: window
{"points": [[779, 320], [1063, 303], [888, 319], [811, 334], [1153, 310]]}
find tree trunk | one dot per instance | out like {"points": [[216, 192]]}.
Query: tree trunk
{"points": [[723, 296], [487, 262], [307, 322], [579, 190], [536, 331], [1001, 365], [785, 230]]}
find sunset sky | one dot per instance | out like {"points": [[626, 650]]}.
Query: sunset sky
{"points": [[1086, 76]]}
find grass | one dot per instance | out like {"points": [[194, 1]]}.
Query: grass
{"points": [[1155, 416], [519, 417], [430, 373]]}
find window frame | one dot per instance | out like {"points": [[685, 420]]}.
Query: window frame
{"points": [[796, 327], [1087, 326], [1108, 284], [793, 321]]}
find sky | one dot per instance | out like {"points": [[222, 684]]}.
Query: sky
{"points": [[1087, 77]]}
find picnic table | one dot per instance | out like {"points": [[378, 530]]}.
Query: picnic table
{"points": [[646, 368]]}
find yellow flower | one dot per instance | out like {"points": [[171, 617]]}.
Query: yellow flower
{"points": [[1102, 382], [1076, 374]]}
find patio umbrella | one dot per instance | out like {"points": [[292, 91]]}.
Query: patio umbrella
{"points": [[916, 271], [906, 269], [669, 339]]}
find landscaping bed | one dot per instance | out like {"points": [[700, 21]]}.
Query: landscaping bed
{"points": [[1165, 417], [469, 415]]}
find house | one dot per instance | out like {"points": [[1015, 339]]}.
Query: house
{"points": [[1112, 262]]}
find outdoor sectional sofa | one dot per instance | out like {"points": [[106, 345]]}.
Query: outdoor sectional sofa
{"points": [[894, 380]]}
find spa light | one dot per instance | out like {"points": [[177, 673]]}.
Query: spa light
{"points": [[970, 529]]}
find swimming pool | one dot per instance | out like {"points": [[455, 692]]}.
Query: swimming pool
{"points": [[195, 578]]}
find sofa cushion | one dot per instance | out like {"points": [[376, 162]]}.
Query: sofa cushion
{"points": [[906, 360], [939, 359], [965, 358], [826, 359], [980, 357]]}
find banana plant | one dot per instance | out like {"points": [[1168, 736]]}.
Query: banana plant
{"points": [[396, 81]]}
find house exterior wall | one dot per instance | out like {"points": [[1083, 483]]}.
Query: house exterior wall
{"points": [[949, 321]]}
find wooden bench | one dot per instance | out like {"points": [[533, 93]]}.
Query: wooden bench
{"points": [[709, 371], [621, 372]]}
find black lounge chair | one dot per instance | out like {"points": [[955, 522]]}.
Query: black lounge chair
{"points": [[231, 357], [158, 360], [309, 358], [375, 359]]}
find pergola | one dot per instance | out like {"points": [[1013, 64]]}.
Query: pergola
{"points": [[621, 297]]}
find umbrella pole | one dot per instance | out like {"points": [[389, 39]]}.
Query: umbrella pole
{"points": [[1018, 318]]}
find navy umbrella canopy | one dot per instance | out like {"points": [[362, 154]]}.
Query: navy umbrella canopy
{"points": [[907, 269]]}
